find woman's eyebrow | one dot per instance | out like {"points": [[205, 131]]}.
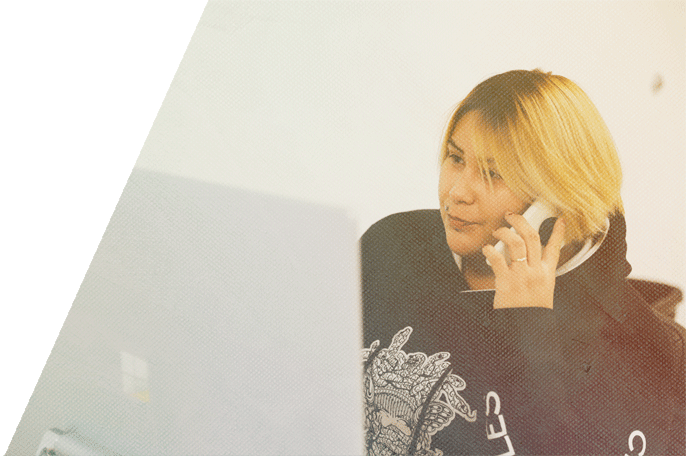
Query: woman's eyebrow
{"points": [[455, 146], [490, 160]]}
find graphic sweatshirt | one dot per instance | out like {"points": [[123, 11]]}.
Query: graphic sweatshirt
{"points": [[445, 373]]}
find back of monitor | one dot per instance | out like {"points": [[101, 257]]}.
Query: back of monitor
{"points": [[211, 321]]}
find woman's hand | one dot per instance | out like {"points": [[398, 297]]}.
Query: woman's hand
{"points": [[529, 280]]}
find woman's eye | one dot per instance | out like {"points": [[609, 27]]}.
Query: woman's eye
{"points": [[455, 158], [494, 174]]}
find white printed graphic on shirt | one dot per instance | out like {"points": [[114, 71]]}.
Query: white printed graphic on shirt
{"points": [[409, 397], [641, 438]]}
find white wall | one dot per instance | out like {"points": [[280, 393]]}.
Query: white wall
{"points": [[345, 102], [336, 102]]}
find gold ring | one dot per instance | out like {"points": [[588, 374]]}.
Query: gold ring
{"points": [[520, 259]]}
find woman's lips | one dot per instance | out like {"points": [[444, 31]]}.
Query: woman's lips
{"points": [[460, 224]]}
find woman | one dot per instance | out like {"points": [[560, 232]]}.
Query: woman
{"points": [[543, 348]]}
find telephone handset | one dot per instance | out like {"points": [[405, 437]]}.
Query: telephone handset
{"points": [[541, 216]]}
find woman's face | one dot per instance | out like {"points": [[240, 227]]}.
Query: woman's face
{"points": [[471, 210]]}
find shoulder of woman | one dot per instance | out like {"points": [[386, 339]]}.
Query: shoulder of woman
{"points": [[659, 336], [403, 238], [417, 223]]}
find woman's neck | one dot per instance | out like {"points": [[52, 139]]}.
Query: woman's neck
{"points": [[477, 272]]}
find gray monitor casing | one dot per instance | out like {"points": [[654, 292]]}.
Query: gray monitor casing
{"points": [[211, 321]]}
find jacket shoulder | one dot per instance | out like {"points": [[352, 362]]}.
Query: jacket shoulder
{"points": [[661, 343], [412, 226], [648, 319]]}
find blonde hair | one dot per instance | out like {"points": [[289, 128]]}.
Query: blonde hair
{"points": [[548, 141]]}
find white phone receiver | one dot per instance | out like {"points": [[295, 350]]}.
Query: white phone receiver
{"points": [[541, 216]]}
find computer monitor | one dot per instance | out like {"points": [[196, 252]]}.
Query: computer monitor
{"points": [[211, 321]]}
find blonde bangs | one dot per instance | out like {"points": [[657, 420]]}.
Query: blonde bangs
{"points": [[499, 146]]}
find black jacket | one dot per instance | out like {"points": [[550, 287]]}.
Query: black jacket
{"points": [[600, 374]]}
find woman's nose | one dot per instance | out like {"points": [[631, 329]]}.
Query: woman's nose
{"points": [[464, 187]]}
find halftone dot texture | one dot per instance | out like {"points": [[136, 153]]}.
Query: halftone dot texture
{"points": [[211, 321], [583, 378]]}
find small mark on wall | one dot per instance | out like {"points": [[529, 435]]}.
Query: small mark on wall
{"points": [[658, 83]]}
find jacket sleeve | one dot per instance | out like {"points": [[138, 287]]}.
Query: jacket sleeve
{"points": [[543, 417], [678, 426]]}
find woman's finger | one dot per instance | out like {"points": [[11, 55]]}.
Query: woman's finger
{"points": [[551, 253], [530, 236], [516, 247], [495, 259]]}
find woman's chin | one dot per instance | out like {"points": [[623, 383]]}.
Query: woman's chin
{"points": [[464, 247]]}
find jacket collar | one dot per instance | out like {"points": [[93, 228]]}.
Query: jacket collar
{"points": [[603, 275]]}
